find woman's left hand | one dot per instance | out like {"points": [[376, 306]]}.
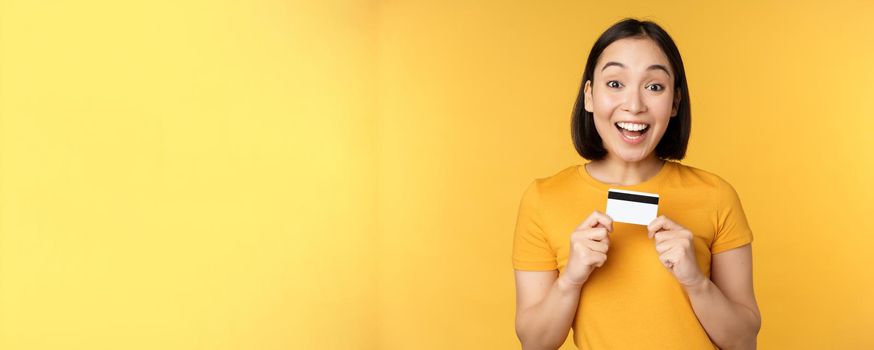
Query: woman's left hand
{"points": [[676, 250]]}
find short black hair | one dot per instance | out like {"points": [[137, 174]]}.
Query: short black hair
{"points": [[676, 138]]}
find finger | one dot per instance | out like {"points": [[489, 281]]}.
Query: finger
{"points": [[668, 259], [596, 234], [599, 259], [601, 262], [596, 258], [664, 246], [595, 219], [662, 236], [653, 226], [599, 247], [673, 255], [661, 223]]}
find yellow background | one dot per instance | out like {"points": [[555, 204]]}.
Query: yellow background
{"points": [[345, 174]]}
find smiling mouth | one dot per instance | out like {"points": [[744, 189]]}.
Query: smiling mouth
{"points": [[632, 131]]}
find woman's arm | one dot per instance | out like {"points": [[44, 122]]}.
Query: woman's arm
{"points": [[725, 303], [545, 309]]}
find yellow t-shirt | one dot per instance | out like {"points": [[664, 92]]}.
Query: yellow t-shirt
{"points": [[632, 301]]}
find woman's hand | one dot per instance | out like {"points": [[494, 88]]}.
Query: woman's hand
{"points": [[676, 250], [588, 248]]}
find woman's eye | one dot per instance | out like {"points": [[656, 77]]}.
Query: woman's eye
{"points": [[659, 87], [613, 84]]}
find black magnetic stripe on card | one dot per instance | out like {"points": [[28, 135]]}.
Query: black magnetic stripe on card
{"points": [[632, 197]]}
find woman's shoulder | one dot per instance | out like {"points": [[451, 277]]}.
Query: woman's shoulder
{"points": [[557, 182], [689, 176], [559, 179]]}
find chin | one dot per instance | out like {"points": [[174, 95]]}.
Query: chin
{"points": [[632, 156]]}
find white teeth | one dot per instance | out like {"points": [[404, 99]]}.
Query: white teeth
{"points": [[632, 126]]}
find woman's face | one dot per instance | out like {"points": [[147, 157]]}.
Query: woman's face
{"points": [[632, 97]]}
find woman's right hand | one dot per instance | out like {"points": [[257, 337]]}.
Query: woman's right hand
{"points": [[588, 248]]}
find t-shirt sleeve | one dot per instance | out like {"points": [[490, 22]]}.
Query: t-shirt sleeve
{"points": [[732, 229], [531, 250]]}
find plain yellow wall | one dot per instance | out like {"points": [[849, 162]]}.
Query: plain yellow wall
{"points": [[187, 175], [346, 174]]}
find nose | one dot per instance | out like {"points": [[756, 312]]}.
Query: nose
{"points": [[634, 102]]}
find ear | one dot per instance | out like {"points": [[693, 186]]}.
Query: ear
{"points": [[588, 96], [676, 107]]}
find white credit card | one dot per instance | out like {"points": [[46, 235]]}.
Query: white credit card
{"points": [[632, 207]]}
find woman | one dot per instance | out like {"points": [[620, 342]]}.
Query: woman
{"points": [[684, 281]]}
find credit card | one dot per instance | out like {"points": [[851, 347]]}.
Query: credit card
{"points": [[632, 207]]}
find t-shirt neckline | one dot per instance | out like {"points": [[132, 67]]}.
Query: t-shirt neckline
{"points": [[651, 183]]}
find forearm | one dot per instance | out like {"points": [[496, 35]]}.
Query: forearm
{"points": [[728, 324], [546, 325]]}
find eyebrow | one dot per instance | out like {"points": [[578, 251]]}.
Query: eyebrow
{"points": [[652, 67]]}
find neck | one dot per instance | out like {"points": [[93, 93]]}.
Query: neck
{"points": [[616, 171]]}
